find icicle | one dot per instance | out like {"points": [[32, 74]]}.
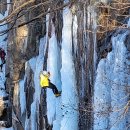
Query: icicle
{"points": [[5, 121], [22, 96], [128, 24], [69, 97], [119, 83], [52, 63], [110, 95]]}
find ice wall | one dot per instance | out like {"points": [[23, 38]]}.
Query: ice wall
{"points": [[69, 97], [111, 91]]}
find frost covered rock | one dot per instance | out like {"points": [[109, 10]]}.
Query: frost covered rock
{"points": [[3, 7]]}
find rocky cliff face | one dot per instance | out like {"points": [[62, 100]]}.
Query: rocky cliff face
{"points": [[23, 44], [88, 49]]}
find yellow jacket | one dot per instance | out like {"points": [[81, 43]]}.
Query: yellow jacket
{"points": [[44, 80]]}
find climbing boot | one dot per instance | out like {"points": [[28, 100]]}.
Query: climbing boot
{"points": [[58, 94]]}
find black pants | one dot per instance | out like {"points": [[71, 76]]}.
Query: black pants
{"points": [[1, 66], [53, 87], [3, 62]]}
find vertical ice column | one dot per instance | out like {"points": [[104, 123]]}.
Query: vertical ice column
{"points": [[37, 64], [69, 97], [119, 93], [102, 97], [53, 66], [3, 41], [110, 90]]}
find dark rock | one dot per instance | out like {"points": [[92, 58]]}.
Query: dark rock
{"points": [[29, 90], [104, 46], [57, 19], [127, 42]]}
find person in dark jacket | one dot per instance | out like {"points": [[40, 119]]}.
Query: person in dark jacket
{"points": [[2, 58], [45, 83]]}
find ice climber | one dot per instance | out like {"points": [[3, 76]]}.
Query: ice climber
{"points": [[45, 83], [2, 58]]}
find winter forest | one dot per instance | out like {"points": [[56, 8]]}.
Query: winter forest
{"points": [[64, 64]]}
